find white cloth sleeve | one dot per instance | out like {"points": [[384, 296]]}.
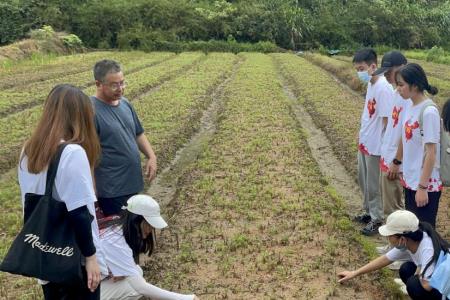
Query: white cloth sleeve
{"points": [[146, 289], [385, 98], [73, 181], [431, 125], [395, 254], [119, 256]]}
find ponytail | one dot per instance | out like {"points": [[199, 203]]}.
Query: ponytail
{"points": [[439, 244], [432, 90], [414, 75], [446, 115]]}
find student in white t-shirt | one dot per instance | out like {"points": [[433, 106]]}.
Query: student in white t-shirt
{"points": [[123, 243], [391, 187], [419, 151], [374, 119], [414, 241], [68, 118]]}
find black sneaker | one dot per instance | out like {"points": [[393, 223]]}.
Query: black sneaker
{"points": [[364, 218], [371, 228]]}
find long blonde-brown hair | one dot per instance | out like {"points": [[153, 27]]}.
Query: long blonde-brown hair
{"points": [[68, 115]]}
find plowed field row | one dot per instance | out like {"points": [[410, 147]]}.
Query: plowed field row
{"points": [[343, 69], [20, 97], [29, 71], [253, 220], [169, 116], [16, 127], [437, 70], [337, 112]]}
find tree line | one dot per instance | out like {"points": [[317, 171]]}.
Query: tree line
{"points": [[290, 24]]}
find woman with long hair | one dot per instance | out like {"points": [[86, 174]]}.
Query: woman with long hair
{"points": [[124, 242], [418, 150], [414, 241], [68, 118]]}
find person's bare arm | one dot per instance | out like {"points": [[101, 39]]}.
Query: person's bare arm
{"points": [[374, 265], [151, 164], [428, 164]]}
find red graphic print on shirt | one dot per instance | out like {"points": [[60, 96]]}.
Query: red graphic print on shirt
{"points": [[371, 105], [396, 114], [363, 149], [383, 165], [409, 129]]}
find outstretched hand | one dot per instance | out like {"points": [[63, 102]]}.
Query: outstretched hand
{"points": [[345, 276]]}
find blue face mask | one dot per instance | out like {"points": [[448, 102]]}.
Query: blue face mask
{"points": [[364, 76], [401, 247]]}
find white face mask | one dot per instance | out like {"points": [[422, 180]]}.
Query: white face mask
{"points": [[364, 76]]}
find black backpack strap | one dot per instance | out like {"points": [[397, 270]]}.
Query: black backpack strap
{"points": [[52, 170]]}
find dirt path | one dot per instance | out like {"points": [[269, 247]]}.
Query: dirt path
{"points": [[322, 151], [443, 218], [164, 187]]}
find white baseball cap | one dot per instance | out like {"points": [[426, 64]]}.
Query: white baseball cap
{"points": [[400, 221], [147, 207]]}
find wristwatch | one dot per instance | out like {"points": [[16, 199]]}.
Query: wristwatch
{"points": [[397, 162]]}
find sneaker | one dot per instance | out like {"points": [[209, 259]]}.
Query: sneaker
{"points": [[396, 265], [383, 249], [371, 228], [363, 218]]}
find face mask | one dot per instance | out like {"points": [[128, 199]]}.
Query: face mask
{"points": [[364, 76], [401, 247]]}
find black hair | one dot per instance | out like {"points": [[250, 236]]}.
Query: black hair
{"points": [[104, 67], [446, 115], [438, 242], [368, 55], [131, 227], [414, 75]]}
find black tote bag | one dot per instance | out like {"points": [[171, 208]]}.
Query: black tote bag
{"points": [[45, 248]]}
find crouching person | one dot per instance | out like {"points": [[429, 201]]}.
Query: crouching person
{"points": [[124, 242], [416, 242]]}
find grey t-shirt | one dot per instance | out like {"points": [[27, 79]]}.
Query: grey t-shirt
{"points": [[119, 172]]}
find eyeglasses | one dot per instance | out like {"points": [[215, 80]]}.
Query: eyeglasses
{"points": [[115, 86]]}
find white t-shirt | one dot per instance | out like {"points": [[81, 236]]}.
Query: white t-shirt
{"points": [[376, 107], [421, 258], [392, 135], [414, 145], [73, 186], [119, 258]]}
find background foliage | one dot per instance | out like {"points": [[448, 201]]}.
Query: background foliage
{"points": [[291, 24]]}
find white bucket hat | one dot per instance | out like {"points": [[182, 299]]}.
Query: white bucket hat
{"points": [[399, 222], [147, 207]]}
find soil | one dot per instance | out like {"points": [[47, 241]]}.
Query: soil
{"points": [[164, 189]]}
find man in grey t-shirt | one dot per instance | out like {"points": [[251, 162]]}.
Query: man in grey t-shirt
{"points": [[118, 175]]}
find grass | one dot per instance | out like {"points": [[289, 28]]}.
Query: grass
{"points": [[341, 66], [22, 96], [332, 120], [16, 127], [175, 110], [334, 109], [252, 219]]}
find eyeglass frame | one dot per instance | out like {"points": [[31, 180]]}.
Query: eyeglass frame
{"points": [[118, 85]]}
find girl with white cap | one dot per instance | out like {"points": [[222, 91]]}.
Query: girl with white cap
{"points": [[414, 241], [123, 243]]}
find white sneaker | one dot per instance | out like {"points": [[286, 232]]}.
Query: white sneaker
{"points": [[383, 249], [396, 265], [401, 285]]}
